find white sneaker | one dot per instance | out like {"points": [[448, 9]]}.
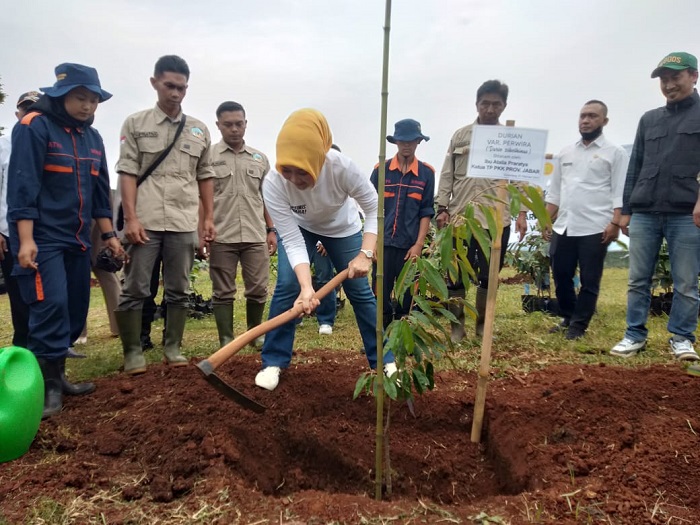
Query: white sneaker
{"points": [[390, 369], [325, 329], [81, 341], [682, 349], [268, 378], [259, 342], [628, 348]]}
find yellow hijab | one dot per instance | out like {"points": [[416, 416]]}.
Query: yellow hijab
{"points": [[303, 142]]}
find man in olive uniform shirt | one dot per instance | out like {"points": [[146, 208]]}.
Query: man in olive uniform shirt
{"points": [[245, 231], [161, 214], [456, 191]]}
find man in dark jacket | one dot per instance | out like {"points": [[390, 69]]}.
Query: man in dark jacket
{"points": [[661, 201], [408, 207]]}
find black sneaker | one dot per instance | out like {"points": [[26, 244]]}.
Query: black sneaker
{"points": [[572, 334]]}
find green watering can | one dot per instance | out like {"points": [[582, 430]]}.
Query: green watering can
{"points": [[21, 401]]}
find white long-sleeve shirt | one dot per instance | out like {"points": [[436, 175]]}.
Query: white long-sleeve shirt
{"points": [[588, 186], [326, 209], [5, 147]]}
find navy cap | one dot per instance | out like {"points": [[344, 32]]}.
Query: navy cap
{"points": [[70, 76], [406, 130], [29, 96]]}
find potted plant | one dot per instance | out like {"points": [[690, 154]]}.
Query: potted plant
{"points": [[531, 257]]}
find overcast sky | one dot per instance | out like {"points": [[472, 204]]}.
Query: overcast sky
{"points": [[276, 56]]}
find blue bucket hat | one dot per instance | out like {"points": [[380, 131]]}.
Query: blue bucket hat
{"points": [[406, 130], [70, 76]]}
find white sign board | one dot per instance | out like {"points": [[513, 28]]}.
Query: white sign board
{"points": [[500, 152]]}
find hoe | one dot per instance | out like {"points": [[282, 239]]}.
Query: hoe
{"points": [[208, 366]]}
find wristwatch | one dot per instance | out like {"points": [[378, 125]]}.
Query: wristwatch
{"points": [[108, 235], [368, 253]]}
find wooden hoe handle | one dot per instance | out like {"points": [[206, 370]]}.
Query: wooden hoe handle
{"points": [[226, 352]]}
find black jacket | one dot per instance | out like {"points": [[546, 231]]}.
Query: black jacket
{"points": [[663, 171]]}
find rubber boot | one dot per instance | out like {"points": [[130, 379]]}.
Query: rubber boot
{"points": [[53, 393], [457, 331], [223, 314], [73, 389], [174, 328], [254, 314], [481, 294], [129, 322]]}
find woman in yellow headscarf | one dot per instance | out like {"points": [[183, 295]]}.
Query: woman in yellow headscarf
{"points": [[309, 197]]}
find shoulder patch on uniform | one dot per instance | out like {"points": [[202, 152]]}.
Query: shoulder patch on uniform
{"points": [[257, 157], [27, 119], [197, 132]]}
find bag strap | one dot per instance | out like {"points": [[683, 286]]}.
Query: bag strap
{"points": [[163, 154]]}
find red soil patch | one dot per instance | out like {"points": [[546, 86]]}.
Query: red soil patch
{"points": [[519, 278], [570, 444]]}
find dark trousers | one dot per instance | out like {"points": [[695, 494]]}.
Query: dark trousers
{"points": [[393, 264], [58, 295], [588, 253], [18, 309]]}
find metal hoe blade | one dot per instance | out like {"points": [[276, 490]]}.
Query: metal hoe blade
{"points": [[227, 390]]}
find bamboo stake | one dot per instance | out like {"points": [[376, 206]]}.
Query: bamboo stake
{"points": [[379, 283], [487, 340]]}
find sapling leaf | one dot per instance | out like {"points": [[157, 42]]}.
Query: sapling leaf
{"points": [[490, 220], [467, 273], [362, 384], [515, 198], [405, 278], [435, 279], [417, 383], [418, 352], [406, 337], [394, 336], [390, 387], [447, 314], [419, 378], [482, 238], [536, 204], [417, 315]]}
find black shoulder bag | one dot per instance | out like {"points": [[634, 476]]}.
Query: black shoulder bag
{"points": [[151, 169]]}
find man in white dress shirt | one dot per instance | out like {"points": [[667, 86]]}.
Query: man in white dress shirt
{"points": [[585, 198]]}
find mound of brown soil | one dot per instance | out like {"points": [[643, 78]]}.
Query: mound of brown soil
{"points": [[571, 444]]}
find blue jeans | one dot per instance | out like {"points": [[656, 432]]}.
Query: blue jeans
{"points": [[646, 232], [323, 268], [279, 343]]}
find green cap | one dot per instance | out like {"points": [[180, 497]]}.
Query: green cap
{"points": [[678, 61]]}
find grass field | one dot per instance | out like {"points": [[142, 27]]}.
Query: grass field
{"points": [[522, 341]]}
